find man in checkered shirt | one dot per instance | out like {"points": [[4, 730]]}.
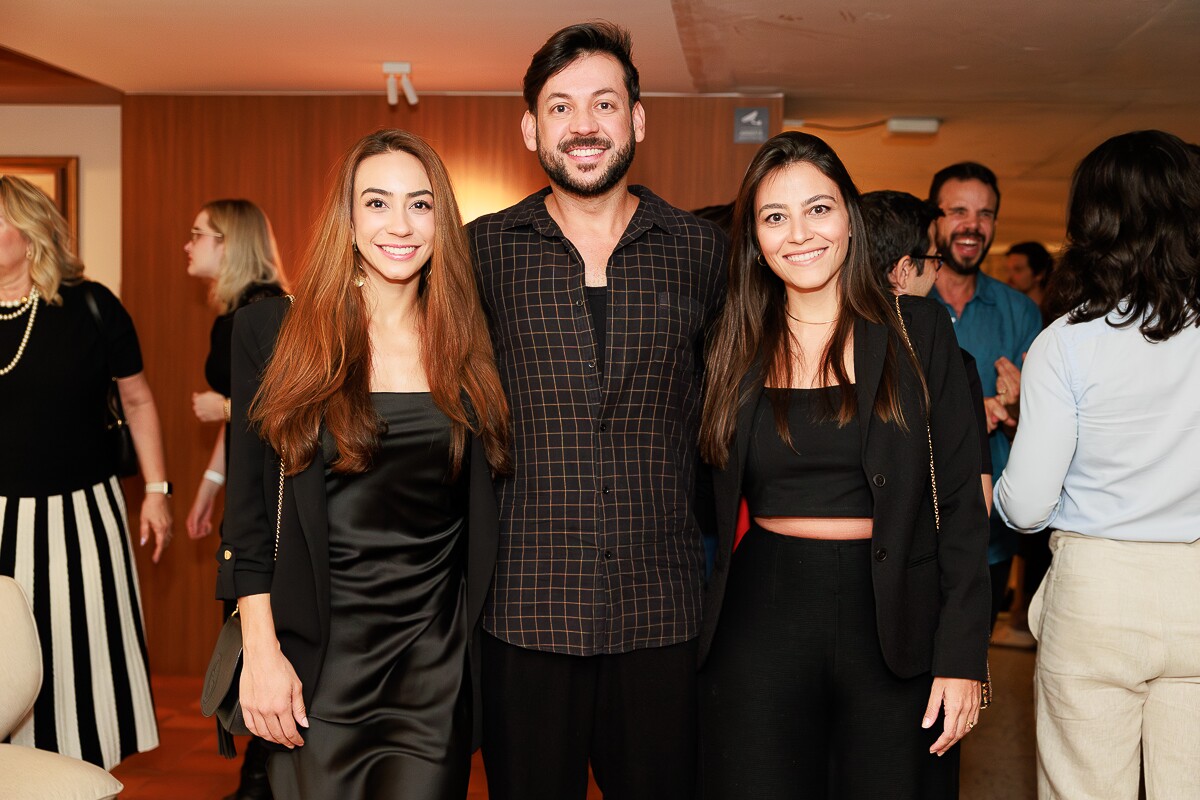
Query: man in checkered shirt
{"points": [[599, 294]]}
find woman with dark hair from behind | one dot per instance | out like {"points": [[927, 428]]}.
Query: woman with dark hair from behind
{"points": [[367, 420], [844, 643], [1106, 454], [233, 249]]}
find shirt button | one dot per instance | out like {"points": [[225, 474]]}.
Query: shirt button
{"points": [[608, 554], [606, 490], [591, 365], [881, 554], [878, 479], [603, 427], [578, 303]]}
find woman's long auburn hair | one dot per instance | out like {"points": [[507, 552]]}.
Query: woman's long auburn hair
{"points": [[321, 369], [752, 328]]}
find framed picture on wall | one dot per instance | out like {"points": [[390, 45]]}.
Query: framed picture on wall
{"points": [[57, 176]]}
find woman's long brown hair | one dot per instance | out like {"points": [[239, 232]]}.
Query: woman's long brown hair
{"points": [[752, 329], [321, 369]]}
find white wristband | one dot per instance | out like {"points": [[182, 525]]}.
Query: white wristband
{"points": [[213, 476]]}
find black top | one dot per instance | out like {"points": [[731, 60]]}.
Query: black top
{"points": [[597, 297], [820, 475], [54, 403], [220, 339], [396, 547], [600, 548]]}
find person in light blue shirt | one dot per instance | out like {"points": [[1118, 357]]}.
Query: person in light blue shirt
{"points": [[1107, 454], [993, 322]]}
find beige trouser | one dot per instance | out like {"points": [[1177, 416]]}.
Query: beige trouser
{"points": [[1118, 669]]}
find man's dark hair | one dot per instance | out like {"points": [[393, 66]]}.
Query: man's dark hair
{"points": [[897, 226], [572, 43], [1039, 258], [964, 171]]}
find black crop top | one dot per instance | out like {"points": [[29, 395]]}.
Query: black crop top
{"points": [[822, 477]]}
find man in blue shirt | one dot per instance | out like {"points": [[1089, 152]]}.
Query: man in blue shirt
{"points": [[993, 322]]}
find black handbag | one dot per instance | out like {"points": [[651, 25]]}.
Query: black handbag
{"points": [[220, 695], [120, 437]]}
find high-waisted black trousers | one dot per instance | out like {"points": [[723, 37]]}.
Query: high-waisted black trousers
{"points": [[796, 700]]}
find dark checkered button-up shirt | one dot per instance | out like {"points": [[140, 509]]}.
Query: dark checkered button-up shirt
{"points": [[599, 547]]}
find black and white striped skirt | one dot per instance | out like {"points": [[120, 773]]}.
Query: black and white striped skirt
{"points": [[71, 554]]}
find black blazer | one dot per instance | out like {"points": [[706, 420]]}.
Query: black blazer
{"points": [[298, 581], [932, 597]]}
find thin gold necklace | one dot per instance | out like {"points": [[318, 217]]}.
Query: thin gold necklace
{"points": [[806, 322]]}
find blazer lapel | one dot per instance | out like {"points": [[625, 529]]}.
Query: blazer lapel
{"points": [[870, 346], [308, 496], [727, 483]]}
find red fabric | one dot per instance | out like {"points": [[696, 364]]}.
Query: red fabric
{"points": [[743, 523]]}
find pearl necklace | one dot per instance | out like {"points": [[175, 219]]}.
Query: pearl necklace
{"points": [[32, 306], [21, 306]]}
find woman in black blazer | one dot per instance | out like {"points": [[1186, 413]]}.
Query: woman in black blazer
{"points": [[845, 642], [360, 559]]}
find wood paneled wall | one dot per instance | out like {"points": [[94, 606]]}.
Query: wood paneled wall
{"points": [[179, 152]]}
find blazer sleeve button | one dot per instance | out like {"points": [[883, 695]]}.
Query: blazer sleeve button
{"points": [[228, 555], [878, 479], [881, 554]]}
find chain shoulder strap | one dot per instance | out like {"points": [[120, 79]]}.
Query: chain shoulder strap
{"points": [[279, 507], [279, 510], [937, 514]]}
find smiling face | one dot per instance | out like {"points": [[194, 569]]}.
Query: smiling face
{"points": [[802, 227], [393, 219], [204, 249], [968, 225], [585, 128]]}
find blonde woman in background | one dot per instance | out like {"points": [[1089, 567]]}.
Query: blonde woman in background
{"points": [[233, 248], [63, 530]]}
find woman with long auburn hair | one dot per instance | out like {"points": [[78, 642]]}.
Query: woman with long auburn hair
{"points": [[368, 420], [844, 643]]}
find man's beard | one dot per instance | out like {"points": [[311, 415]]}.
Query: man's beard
{"points": [[951, 261], [554, 163]]}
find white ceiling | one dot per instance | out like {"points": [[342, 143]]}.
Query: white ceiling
{"points": [[1026, 86]]}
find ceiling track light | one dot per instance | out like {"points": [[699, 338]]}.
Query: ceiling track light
{"points": [[394, 87]]}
